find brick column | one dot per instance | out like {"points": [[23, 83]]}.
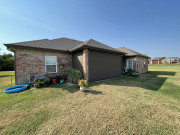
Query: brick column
{"points": [[85, 64]]}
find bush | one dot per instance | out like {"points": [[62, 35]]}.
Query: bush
{"points": [[73, 75], [131, 71]]}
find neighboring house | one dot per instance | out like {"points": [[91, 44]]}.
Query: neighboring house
{"points": [[157, 60], [170, 60], [95, 60], [174, 59], [165, 60], [134, 60]]}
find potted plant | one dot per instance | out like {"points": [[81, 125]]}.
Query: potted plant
{"points": [[134, 73], [37, 85], [82, 84], [45, 83], [62, 81], [54, 80]]}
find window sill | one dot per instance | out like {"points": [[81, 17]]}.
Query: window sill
{"points": [[51, 72]]}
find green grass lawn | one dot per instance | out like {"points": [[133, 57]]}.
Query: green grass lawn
{"points": [[148, 104], [5, 79]]}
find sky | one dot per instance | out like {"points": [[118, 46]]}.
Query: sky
{"points": [[146, 26]]}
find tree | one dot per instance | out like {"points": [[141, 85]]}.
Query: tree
{"points": [[6, 62]]}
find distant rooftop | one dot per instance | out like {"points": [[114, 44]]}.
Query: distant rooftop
{"points": [[158, 58], [176, 58]]}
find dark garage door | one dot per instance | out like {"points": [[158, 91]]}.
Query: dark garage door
{"points": [[104, 65]]}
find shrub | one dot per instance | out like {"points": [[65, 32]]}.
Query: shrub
{"points": [[131, 71], [73, 75], [45, 83]]}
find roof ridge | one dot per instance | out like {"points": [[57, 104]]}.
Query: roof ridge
{"points": [[87, 41], [83, 43], [96, 44], [66, 38], [102, 43]]}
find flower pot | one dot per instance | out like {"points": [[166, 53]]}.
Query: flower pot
{"points": [[54, 81], [82, 88], [61, 81]]}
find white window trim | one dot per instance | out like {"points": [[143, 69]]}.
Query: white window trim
{"points": [[144, 64], [137, 63], [50, 64], [132, 63]]}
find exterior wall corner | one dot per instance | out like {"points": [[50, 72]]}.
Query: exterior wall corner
{"points": [[86, 64]]}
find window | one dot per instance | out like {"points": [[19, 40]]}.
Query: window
{"points": [[130, 64], [137, 63], [144, 64], [51, 64]]}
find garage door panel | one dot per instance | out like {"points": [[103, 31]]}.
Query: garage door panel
{"points": [[104, 65]]}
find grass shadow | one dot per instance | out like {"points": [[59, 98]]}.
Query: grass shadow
{"points": [[65, 87], [94, 92], [6, 76], [152, 80]]}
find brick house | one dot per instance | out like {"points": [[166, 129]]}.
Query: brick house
{"points": [[95, 60], [173, 60], [134, 60], [157, 60]]}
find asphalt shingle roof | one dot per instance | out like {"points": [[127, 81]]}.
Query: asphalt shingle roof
{"points": [[157, 58], [63, 44], [130, 52], [91, 43]]}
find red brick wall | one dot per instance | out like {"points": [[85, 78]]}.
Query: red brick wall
{"points": [[33, 61], [141, 68], [141, 64], [155, 62]]}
